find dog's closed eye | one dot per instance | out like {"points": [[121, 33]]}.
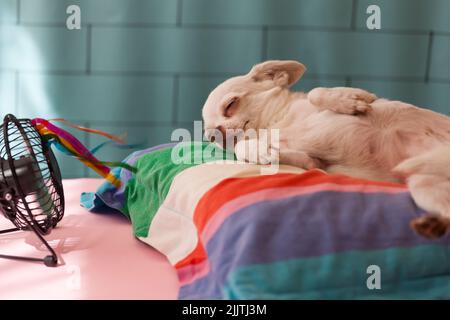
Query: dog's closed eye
{"points": [[231, 107]]}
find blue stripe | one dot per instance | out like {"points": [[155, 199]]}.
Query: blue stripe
{"points": [[108, 196]]}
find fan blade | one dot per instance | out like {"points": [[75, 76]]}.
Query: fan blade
{"points": [[28, 175]]}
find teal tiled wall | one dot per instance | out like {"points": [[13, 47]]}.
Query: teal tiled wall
{"points": [[174, 49], [440, 57], [351, 52], [101, 11], [320, 13], [42, 48], [409, 15], [100, 98], [145, 67]]}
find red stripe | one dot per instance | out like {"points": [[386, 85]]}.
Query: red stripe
{"points": [[232, 188]]}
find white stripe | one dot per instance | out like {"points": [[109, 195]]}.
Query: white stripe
{"points": [[172, 230]]}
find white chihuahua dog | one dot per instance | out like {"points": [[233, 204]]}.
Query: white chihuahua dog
{"points": [[341, 130]]}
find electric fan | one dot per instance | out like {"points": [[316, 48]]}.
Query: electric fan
{"points": [[31, 191]]}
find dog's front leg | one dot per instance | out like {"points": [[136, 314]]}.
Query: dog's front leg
{"points": [[298, 159], [342, 100], [259, 152]]}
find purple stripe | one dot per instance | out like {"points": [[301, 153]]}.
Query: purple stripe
{"points": [[306, 226], [115, 198], [126, 175]]}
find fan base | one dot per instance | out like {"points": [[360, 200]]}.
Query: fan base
{"points": [[49, 260]]}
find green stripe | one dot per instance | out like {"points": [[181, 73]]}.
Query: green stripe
{"points": [[155, 172], [421, 272]]}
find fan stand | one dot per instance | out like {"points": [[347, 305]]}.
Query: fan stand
{"points": [[50, 260]]}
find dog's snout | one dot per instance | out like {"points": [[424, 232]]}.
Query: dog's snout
{"points": [[209, 135], [216, 135], [222, 131], [222, 135]]}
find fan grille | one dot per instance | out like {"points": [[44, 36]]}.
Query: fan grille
{"points": [[38, 198]]}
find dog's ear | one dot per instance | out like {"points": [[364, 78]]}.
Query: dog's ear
{"points": [[283, 73]]}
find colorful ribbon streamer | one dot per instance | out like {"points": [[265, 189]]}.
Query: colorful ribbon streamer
{"points": [[118, 139], [70, 145]]}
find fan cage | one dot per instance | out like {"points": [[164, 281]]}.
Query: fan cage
{"points": [[42, 206]]}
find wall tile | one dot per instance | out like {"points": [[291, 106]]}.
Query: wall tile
{"points": [[100, 11], [440, 58], [352, 53], [175, 50], [435, 96], [193, 92], [7, 93], [97, 98], [329, 13], [42, 49], [8, 11], [408, 14]]}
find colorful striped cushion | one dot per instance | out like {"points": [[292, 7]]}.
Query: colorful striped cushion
{"points": [[233, 233]]}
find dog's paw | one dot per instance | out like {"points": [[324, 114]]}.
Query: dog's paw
{"points": [[351, 106], [251, 151], [342, 100], [352, 101], [431, 226], [269, 155], [299, 159]]}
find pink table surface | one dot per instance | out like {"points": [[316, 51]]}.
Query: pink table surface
{"points": [[99, 258]]}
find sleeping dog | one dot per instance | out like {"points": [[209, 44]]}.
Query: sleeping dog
{"points": [[341, 130]]}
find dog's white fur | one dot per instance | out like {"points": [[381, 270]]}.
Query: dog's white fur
{"points": [[342, 130]]}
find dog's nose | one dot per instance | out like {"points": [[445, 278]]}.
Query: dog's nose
{"points": [[222, 131], [210, 134], [212, 138], [223, 136]]}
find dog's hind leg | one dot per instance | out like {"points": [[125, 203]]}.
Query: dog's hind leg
{"points": [[431, 193], [428, 179]]}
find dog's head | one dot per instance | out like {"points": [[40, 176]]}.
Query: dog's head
{"points": [[245, 102]]}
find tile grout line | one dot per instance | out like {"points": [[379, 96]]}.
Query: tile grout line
{"points": [[203, 75], [131, 123], [179, 13], [428, 59], [264, 43], [87, 142], [348, 81], [175, 94], [115, 123], [16, 92], [18, 12], [89, 49], [353, 16], [243, 27]]}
